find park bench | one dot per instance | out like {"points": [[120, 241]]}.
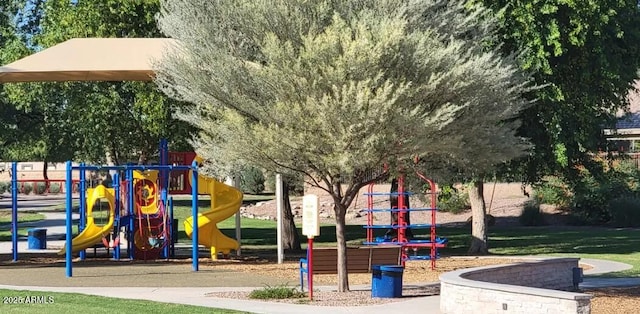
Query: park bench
{"points": [[359, 260]]}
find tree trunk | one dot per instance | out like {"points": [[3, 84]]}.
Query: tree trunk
{"points": [[45, 175], [343, 276], [112, 160], [290, 237], [478, 225], [393, 202], [142, 159]]}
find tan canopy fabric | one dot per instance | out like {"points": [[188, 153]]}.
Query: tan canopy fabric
{"points": [[90, 59]]}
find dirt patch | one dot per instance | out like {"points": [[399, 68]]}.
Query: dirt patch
{"points": [[624, 300], [418, 278], [504, 201]]}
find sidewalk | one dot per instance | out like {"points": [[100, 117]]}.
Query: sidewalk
{"points": [[197, 296]]}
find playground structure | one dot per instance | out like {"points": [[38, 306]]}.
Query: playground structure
{"points": [[134, 206], [140, 206], [93, 233], [138, 68], [412, 248], [225, 201]]}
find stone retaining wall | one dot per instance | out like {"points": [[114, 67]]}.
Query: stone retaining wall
{"points": [[514, 288]]}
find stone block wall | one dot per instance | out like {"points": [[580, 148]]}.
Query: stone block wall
{"points": [[515, 288]]}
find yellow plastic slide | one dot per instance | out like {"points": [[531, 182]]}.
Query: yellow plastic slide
{"points": [[93, 233], [225, 201]]}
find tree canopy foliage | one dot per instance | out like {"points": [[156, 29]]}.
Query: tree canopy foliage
{"points": [[91, 120], [336, 89], [586, 55]]}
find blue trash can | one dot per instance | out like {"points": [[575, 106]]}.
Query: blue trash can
{"points": [[37, 239], [386, 281]]}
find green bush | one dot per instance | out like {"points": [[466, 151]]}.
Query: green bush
{"points": [[531, 214], [579, 219], [625, 211], [251, 180], [5, 187], [552, 191], [593, 192], [55, 187], [294, 182], [453, 201], [279, 292], [27, 188], [40, 188]]}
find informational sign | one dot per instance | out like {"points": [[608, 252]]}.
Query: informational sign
{"points": [[310, 216]]}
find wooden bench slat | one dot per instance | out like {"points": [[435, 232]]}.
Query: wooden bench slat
{"points": [[359, 260]]}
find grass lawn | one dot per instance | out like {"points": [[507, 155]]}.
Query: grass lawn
{"points": [[182, 210], [81, 303], [23, 216], [621, 245], [75, 204]]}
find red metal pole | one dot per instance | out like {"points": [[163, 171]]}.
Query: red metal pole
{"points": [[402, 223], [310, 267], [370, 213], [434, 205]]}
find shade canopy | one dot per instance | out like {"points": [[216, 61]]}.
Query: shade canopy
{"points": [[90, 59]]}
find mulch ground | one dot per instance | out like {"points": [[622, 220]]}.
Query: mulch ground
{"points": [[49, 270]]}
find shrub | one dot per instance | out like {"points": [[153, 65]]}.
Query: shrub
{"points": [[27, 188], [531, 214], [592, 194], [54, 188], [5, 187], [294, 182], [579, 219], [279, 292], [40, 188], [625, 211], [252, 180], [552, 191], [453, 201]]}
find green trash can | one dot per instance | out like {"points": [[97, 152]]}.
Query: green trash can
{"points": [[386, 281]]}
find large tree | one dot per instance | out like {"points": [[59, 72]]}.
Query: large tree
{"points": [[17, 121], [92, 121], [335, 89], [586, 56]]}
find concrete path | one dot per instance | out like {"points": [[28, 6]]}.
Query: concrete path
{"points": [[197, 296]]}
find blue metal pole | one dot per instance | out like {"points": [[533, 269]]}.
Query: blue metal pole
{"points": [[164, 160], [69, 187], [14, 210], [82, 209], [167, 226], [116, 190], [194, 213], [164, 187], [132, 217], [136, 167], [173, 239]]}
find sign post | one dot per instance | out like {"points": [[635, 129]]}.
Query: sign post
{"points": [[311, 229]]}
